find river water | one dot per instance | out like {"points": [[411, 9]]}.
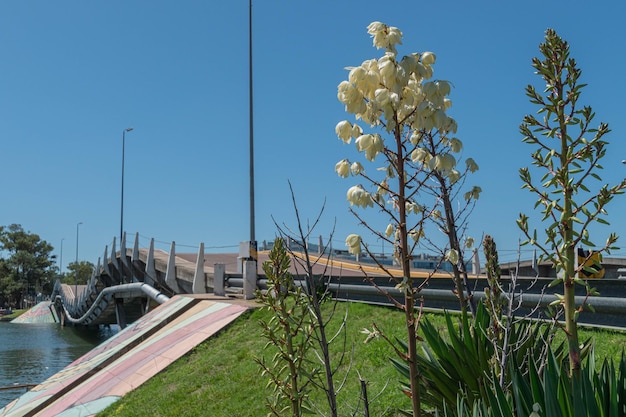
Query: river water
{"points": [[31, 353]]}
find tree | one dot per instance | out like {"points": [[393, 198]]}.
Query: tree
{"points": [[568, 153], [9, 288], [85, 270], [28, 268], [419, 184]]}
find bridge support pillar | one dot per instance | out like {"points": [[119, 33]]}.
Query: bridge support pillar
{"points": [[119, 313], [249, 279], [170, 275], [219, 277], [199, 279]]}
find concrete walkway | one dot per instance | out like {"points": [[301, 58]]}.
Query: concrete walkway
{"points": [[128, 359]]}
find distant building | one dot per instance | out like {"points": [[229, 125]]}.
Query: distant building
{"points": [[612, 267]]}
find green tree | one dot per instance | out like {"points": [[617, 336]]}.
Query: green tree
{"points": [[568, 153], [9, 288], [85, 270], [27, 265]]}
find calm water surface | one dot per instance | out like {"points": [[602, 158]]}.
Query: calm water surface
{"points": [[31, 353]]}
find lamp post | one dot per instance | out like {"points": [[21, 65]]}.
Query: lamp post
{"points": [[128, 129], [251, 114], [76, 264], [61, 258]]}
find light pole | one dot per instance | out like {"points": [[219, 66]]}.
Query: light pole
{"points": [[61, 258], [251, 127], [128, 129], [76, 264]]}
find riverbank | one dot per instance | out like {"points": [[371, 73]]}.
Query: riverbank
{"points": [[128, 359], [33, 352], [15, 314]]}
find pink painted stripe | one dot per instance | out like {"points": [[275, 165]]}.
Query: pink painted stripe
{"points": [[145, 360], [148, 359]]}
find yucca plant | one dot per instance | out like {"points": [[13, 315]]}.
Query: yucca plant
{"points": [[464, 360], [567, 156], [591, 394], [548, 391]]}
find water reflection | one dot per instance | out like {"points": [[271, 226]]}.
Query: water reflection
{"points": [[31, 353]]}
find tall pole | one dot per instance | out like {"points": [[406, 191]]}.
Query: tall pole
{"points": [[61, 258], [252, 226], [128, 129], [76, 264]]}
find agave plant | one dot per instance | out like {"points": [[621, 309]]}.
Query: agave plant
{"points": [[467, 360], [461, 373], [591, 394]]}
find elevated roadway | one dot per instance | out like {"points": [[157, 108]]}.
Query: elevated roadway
{"points": [[130, 282]]}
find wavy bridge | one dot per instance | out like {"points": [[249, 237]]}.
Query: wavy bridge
{"points": [[130, 282]]}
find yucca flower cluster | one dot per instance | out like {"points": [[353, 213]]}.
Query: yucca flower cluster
{"points": [[391, 96]]}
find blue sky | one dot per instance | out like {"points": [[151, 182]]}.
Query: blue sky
{"points": [[75, 74]]}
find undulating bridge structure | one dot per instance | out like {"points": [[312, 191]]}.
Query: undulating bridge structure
{"points": [[128, 283]]}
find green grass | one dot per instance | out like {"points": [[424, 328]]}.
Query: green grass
{"points": [[221, 378], [15, 314]]}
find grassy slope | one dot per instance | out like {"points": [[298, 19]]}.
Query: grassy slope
{"points": [[221, 377]]}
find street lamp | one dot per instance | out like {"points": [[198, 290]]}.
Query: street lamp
{"points": [[251, 127], [61, 258], [76, 264], [128, 129]]}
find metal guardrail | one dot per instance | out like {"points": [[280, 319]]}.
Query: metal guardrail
{"points": [[107, 296], [608, 310]]}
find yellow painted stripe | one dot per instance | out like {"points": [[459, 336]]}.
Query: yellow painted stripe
{"points": [[374, 269]]}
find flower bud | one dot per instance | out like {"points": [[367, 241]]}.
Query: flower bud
{"points": [[453, 176], [420, 155], [344, 131], [472, 166], [353, 242], [473, 194], [343, 168], [452, 256], [456, 145], [356, 168], [363, 142], [428, 58], [357, 196]]}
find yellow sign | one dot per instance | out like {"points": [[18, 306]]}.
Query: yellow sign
{"points": [[592, 264]]}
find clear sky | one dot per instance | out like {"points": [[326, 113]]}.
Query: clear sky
{"points": [[75, 74]]}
